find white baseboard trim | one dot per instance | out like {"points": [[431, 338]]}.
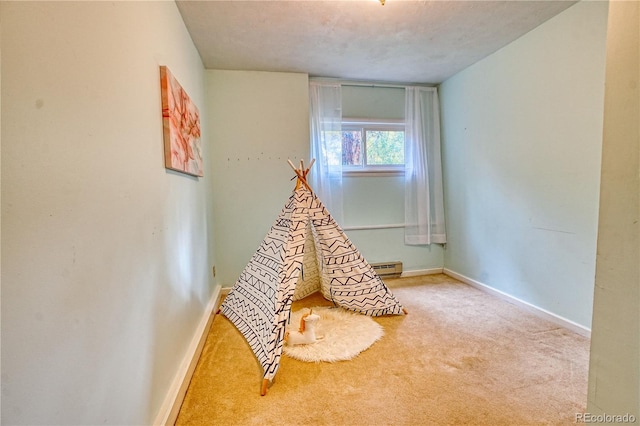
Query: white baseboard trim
{"points": [[418, 272], [170, 408], [536, 310]]}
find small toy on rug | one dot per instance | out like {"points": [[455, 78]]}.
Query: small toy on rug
{"points": [[306, 333]]}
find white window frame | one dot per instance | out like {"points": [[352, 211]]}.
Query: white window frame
{"points": [[372, 124]]}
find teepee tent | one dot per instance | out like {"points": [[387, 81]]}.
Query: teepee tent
{"points": [[305, 251]]}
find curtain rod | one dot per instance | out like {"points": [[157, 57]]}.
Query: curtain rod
{"points": [[356, 83], [383, 85]]}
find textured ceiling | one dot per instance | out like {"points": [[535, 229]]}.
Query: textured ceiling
{"points": [[402, 41]]}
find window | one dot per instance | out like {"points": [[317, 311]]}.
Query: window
{"points": [[369, 146]]}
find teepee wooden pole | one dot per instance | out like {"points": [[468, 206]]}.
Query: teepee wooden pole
{"points": [[302, 175], [297, 174]]}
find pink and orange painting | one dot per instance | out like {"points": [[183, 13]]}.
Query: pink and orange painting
{"points": [[181, 127]]}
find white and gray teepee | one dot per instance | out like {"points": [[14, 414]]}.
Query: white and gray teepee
{"points": [[305, 251]]}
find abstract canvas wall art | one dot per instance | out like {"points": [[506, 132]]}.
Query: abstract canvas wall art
{"points": [[181, 127]]}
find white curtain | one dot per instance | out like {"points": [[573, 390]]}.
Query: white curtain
{"points": [[424, 201], [325, 109]]}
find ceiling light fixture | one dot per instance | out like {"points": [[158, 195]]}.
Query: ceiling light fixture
{"points": [[382, 2]]}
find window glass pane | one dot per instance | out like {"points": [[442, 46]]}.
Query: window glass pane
{"points": [[351, 148], [385, 147], [332, 141]]}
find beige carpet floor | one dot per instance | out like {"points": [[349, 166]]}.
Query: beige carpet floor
{"points": [[461, 357]]}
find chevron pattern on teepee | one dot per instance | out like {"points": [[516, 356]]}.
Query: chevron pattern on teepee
{"points": [[304, 251]]}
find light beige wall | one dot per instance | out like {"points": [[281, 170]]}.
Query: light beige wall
{"points": [[106, 256], [614, 373], [257, 120], [521, 156]]}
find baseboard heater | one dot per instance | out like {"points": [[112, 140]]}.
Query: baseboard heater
{"points": [[388, 269]]}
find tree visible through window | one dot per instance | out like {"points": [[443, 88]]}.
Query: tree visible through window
{"points": [[351, 147], [372, 146], [385, 147]]}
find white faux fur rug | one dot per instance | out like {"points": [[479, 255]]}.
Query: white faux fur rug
{"points": [[344, 335]]}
